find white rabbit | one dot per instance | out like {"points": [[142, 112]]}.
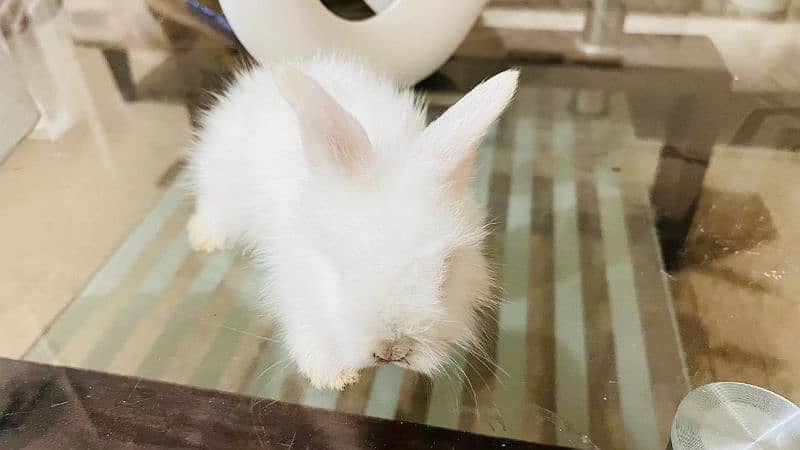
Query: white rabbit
{"points": [[363, 218]]}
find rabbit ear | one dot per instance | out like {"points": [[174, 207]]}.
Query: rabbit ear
{"points": [[457, 133], [331, 135]]}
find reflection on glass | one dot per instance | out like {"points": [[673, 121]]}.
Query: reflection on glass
{"points": [[644, 209]]}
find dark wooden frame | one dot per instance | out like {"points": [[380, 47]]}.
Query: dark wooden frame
{"points": [[48, 407]]}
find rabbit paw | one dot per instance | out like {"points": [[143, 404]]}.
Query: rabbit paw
{"points": [[201, 238], [343, 379]]}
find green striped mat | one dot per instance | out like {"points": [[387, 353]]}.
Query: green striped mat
{"points": [[583, 352]]}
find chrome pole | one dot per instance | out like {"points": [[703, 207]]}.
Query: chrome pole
{"points": [[605, 23]]}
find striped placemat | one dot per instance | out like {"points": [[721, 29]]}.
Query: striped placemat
{"points": [[583, 351]]}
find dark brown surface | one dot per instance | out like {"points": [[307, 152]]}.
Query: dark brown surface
{"points": [[47, 407], [607, 428], [541, 288]]}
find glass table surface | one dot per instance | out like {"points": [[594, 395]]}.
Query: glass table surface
{"points": [[645, 227]]}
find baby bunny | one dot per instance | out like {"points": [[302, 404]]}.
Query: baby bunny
{"points": [[361, 217]]}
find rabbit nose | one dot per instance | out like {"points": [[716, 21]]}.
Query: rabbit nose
{"points": [[392, 352]]}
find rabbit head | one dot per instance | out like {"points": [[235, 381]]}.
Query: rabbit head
{"points": [[385, 263]]}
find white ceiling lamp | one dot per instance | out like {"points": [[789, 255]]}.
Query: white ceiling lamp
{"points": [[408, 39]]}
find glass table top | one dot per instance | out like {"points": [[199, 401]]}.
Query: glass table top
{"points": [[644, 218]]}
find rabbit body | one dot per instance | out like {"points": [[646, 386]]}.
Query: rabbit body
{"points": [[361, 217]]}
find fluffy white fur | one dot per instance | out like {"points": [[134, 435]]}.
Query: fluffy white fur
{"points": [[362, 217]]}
